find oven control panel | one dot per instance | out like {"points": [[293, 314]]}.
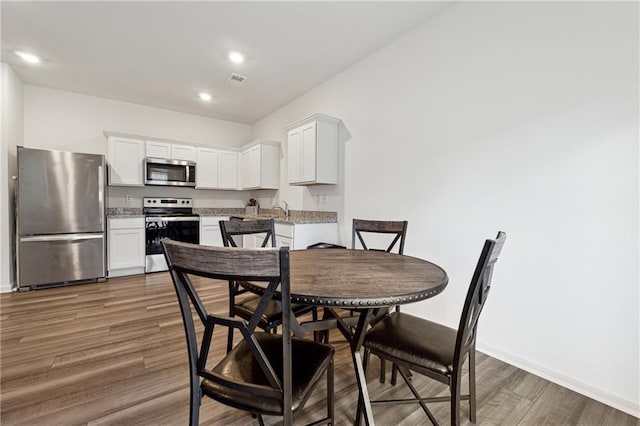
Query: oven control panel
{"points": [[167, 202]]}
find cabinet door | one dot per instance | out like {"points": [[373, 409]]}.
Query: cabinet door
{"points": [[251, 167], [207, 168], [183, 152], [294, 157], [227, 169], [255, 162], [248, 241], [126, 248], [210, 230], [284, 235], [284, 241], [308, 135], [245, 170], [125, 161], [210, 235], [158, 149]]}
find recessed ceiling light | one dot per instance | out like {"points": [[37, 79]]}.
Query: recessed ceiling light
{"points": [[236, 57], [28, 57], [206, 97]]}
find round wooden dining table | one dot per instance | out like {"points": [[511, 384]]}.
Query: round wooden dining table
{"points": [[367, 281]]}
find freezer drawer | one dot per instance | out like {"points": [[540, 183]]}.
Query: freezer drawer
{"points": [[52, 259]]}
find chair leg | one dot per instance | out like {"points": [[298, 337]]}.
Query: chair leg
{"points": [[360, 408], [229, 339], [194, 403], [383, 369], [394, 374], [314, 317], [232, 313], [330, 387], [472, 384], [454, 387], [405, 376]]}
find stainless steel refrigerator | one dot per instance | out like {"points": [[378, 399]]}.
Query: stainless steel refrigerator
{"points": [[60, 218]]}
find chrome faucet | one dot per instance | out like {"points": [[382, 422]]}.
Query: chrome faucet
{"points": [[285, 210]]}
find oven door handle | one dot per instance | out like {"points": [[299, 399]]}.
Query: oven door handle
{"points": [[172, 219]]}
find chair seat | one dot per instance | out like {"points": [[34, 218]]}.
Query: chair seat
{"points": [[272, 315], [309, 361], [415, 342]]}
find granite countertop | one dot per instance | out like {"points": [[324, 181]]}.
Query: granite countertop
{"points": [[124, 212], [295, 216]]}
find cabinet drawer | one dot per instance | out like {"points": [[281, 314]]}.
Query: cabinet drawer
{"points": [[127, 223], [212, 220]]}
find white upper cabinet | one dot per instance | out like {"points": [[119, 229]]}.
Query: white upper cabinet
{"points": [[207, 168], [312, 150], [227, 170], [260, 165], [183, 152], [157, 149], [172, 151], [126, 157], [216, 169]]}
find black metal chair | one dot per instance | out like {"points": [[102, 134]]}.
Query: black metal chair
{"points": [[435, 350], [395, 229], [264, 374], [271, 318]]}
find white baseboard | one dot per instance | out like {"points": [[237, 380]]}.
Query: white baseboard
{"points": [[6, 288], [628, 406], [123, 272]]}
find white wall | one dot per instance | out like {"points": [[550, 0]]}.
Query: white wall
{"points": [[68, 121], [12, 126], [58, 119], [521, 117]]}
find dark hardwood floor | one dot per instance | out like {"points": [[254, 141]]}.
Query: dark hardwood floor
{"points": [[114, 353]]}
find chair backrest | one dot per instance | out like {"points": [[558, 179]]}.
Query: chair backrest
{"points": [[477, 296], [399, 228], [270, 266], [232, 228]]}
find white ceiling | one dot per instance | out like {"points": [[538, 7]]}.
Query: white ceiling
{"points": [[162, 54]]}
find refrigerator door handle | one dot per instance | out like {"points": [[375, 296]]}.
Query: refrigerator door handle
{"points": [[62, 237], [101, 193]]}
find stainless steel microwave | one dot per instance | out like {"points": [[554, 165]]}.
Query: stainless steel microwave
{"points": [[161, 171]]}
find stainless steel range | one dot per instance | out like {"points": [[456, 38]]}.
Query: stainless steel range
{"points": [[171, 218]]}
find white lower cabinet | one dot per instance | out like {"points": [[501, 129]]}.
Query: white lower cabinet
{"points": [[254, 240], [296, 236], [125, 246], [210, 230], [299, 236]]}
